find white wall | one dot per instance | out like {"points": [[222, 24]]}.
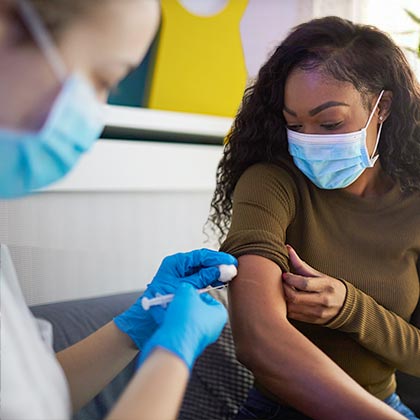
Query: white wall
{"points": [[106, 228]]}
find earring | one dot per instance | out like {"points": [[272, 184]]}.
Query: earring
{"points": [[381, 118]]}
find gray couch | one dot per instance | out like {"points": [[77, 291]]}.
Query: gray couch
{"points": [[218, 383]]}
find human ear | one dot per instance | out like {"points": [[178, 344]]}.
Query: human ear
{"points": [[384, 107]]}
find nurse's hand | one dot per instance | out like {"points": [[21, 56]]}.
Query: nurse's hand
{"points": [[198, 268], [191, 322], [311, 296]]}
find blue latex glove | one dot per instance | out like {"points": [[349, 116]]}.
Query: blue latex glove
{"points": [[192, 322], [198, 268]]}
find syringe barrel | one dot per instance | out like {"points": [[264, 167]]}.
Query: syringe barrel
{"points": [[146, 303]]}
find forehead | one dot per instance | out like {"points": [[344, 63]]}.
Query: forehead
{"points": [[119, 29], [307, 89]]}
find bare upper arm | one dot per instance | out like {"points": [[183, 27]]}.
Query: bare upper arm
{"points": [[256, 299]]}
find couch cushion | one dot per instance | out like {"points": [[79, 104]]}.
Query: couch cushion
{"points": [[218, 384]]}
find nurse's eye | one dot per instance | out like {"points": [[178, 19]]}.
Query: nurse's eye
{"points": [[331, 126], [103, 84], [106, 85]]}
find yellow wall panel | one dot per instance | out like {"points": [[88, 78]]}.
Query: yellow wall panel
{"points": [[200, 65]]}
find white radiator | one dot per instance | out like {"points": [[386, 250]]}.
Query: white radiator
{"points": [[106, 227]]}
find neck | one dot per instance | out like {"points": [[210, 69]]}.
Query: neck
{"points": [[373, 182]]}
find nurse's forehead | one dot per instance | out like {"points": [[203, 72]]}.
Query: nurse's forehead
{"points": [[119, 33]]}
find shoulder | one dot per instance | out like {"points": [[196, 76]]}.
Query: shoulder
{"points": [[410, 201], [281, 177], [282, 168]]}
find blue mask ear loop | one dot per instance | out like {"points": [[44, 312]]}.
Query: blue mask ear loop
{"points": [[43, 39], [374, 159]]}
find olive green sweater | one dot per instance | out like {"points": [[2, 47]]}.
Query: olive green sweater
{"points": [[372, 244]]}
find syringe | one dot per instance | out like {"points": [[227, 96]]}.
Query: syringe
{"points": [[163, 300], [227, 273]]}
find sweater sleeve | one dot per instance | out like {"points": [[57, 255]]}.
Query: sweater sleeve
{"points": [[264, 204], [394, 340]]}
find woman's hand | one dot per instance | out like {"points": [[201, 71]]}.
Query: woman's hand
{"points": [[311, 296]]}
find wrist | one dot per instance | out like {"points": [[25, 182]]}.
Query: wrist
{"points": [[347, 310], [177, 344], [123, 337], [136, 324], [160, 356]]}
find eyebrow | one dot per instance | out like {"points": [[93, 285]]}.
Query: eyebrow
{"points": [[317, 109]]}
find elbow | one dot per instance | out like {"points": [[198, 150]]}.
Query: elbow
{"points": [[248, 353], [245, 356], [259, 350]]}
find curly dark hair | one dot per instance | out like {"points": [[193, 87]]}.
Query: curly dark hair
{"points": [[348, 52]]}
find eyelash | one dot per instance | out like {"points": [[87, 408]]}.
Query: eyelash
{"points": [[106, 85], [326, 126], [294, 127], [331, 126]]}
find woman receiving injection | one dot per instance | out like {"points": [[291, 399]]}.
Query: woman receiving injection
{"points": [[57, 59]]}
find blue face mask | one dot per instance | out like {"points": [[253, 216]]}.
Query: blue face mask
{"points": [[335, 160], [33, 160]]}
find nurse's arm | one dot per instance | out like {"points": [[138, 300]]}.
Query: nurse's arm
{"points": [[156, 391], [93, 362], [285, 361]]}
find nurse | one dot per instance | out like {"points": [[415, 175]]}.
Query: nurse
{"points": [[58, 61]]}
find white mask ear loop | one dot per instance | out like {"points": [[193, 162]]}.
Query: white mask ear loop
{"points": [[377, 142], [374, 159], [43, 39], [374, 109]]}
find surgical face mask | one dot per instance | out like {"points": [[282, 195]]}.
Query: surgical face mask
{"points": [[333, 161], [33, 160]]}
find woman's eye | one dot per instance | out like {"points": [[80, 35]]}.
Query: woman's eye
{"points": [[331, 126], [294, 127]]}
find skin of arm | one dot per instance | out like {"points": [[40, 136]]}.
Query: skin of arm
{"points": [[282, 359], [92, 363], [144, 396]]}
